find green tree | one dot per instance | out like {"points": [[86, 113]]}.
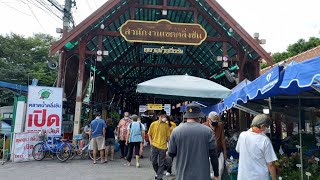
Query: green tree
{"points": [[22, 57], [294, 49]]}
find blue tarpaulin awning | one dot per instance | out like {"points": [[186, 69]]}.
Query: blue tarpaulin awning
{"points": [[297, 77], [301, 76]]}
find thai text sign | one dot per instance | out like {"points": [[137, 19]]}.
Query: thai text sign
{"points": [[163, 50], [163, 32], [44, 109], [154, 106], [143, 108], [23, 144]]}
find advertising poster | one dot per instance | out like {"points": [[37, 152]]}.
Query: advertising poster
{"points": [[23, 144], [44, 110]]}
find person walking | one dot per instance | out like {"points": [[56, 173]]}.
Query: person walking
{"points": [[169, 160], [159, 134], [193, 144], [256, 152], [110, 139], [134, 138], [122, 134], [98, 134], [218, 129], [143, 143]]}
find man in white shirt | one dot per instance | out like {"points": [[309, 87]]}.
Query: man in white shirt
{"points": [[257, 155]]}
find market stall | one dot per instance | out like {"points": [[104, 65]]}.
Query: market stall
{"points": [[291, 82]]}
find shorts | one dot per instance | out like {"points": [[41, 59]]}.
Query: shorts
{"points": [[97, 143], [110, 142]]}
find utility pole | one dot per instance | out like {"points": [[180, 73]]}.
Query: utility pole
{"points": [[67, 19]]}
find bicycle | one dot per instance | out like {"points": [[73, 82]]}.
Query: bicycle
{"points": [[57, 147], [83, 152]]}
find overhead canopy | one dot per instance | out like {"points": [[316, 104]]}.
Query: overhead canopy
{"points": [[125, 65], [301, 75], [184, 86], [295, 78]]}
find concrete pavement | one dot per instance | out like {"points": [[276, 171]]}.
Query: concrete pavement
{"points": [[49, 169]]}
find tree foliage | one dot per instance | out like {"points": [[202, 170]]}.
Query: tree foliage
{"points": [[23, 58], [294, 49]]}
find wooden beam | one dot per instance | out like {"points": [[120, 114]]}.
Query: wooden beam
{"points": [[116, 61], [242, 32], [155, 65], [198, 65], [160, 7], [83, 25]]}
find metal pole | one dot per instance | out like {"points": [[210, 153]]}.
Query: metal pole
{"points": [[3, 148], [300, 134]]}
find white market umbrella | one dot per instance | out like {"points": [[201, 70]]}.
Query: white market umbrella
{"points": [[183, 87]]}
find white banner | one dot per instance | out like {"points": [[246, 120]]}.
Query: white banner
{"points": [[23, 144], [143, 108], [44, 110], [167, 108]]}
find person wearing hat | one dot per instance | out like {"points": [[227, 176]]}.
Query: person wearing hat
{"points": [[98, 134], [218, 129], [257, 155], [193, 144], [159, 134]]}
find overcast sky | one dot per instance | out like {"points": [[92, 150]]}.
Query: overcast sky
{"points": [[280, 22]]}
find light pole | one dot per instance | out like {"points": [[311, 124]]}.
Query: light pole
{"points": [[33, 74]]}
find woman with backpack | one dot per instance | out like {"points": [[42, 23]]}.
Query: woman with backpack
{"points": [[135, 136]]}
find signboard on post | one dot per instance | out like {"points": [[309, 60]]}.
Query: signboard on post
{"points": [[167, 108], [44, 110], [163, 32], [154, 106]]}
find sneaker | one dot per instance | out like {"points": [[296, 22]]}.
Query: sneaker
{"points": [[137, 165], [127, 164], [168, 174]]}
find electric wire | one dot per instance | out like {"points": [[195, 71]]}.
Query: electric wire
{"points": [[54, 11], [35, 17], [5, 3]]}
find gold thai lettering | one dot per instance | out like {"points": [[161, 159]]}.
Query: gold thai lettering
{"points": [[127, 31], [184, 33], [139, 31], [163, 50], [144, 33], [199, 36]]}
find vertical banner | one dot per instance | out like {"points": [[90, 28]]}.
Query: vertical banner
{"points": [[23, 144], [44, 110]]}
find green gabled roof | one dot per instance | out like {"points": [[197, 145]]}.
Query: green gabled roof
{"points": [[212, 17]]}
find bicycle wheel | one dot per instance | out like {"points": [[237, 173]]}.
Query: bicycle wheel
{"points": [[38, 152], [90, 152], [64, 152], [74, 151]]}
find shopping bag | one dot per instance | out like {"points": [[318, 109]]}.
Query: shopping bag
{"points": [[116, 146]]}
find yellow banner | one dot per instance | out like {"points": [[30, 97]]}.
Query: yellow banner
{"points": [[154, 106]]}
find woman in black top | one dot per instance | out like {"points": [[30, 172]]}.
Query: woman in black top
{"points": [[110, 140]]}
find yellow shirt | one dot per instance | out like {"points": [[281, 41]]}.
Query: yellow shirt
{"points": [[173, 125], [160, 133]]}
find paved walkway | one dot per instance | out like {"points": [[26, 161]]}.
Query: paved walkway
{"points": [[78, 169]]}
